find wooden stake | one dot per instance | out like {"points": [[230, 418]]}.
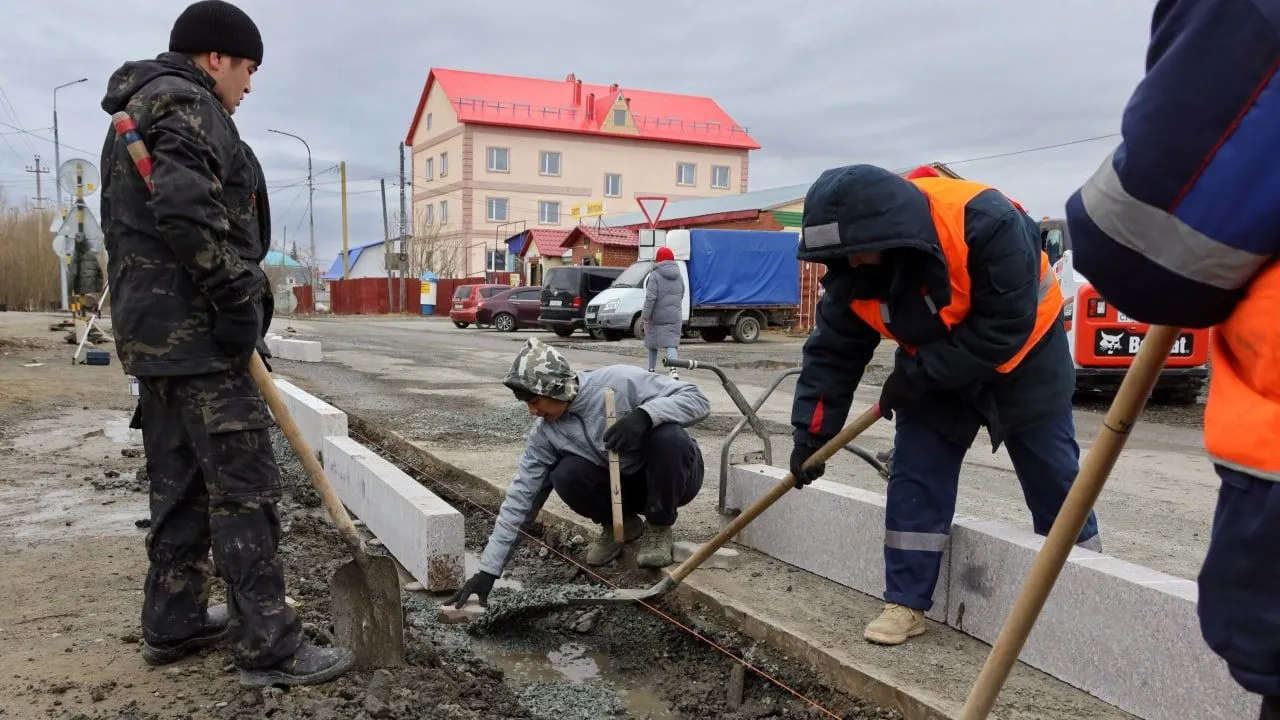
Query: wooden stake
{"points": [[615, 473]]}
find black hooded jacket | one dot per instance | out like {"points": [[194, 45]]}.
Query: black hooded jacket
{"points": [[194, 243], [866, 208]]}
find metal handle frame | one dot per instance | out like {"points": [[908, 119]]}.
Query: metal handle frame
{"points": [[749, 416]]}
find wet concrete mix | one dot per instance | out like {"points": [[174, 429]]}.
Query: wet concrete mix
{"points": [[527, 657]]}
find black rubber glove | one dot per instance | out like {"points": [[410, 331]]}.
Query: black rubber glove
{"points": [[627, 434], [479, 585], [803, 477], [237, 328], [264, 352], [135, 422], [898, 393]]}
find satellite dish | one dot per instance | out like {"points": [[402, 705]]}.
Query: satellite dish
{"points": [[76, 171]]}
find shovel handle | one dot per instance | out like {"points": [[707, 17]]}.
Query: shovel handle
{"points": [[1129, 401], [615, 471], [821, 455], [289, 427]]}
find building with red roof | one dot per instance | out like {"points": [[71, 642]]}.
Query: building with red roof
{"points": [[494, 155]]}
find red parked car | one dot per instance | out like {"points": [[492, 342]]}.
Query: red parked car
{"points": [[465, 300], [512, 309]]}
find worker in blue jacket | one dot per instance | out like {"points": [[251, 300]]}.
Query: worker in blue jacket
{"points": [[1180, 226]]}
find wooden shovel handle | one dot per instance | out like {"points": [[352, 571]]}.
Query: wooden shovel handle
{"points": [[821, 455], [280, 411], [615, 472], [1129, 401]]}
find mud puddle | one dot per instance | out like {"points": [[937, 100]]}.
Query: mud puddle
{"points": [[574, 663]]}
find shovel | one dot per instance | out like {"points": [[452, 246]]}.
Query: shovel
{"points": [[365, 593], [1129, 401], [669, 583]]}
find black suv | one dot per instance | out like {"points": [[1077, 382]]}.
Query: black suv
{"points": [[566, 292]]}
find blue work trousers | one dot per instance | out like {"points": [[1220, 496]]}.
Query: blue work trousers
{"points": [[653, 357], [922, 496], [1240, 582]]}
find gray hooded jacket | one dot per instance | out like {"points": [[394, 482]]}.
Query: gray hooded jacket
{"points": [[542, 370], [663, 299]]}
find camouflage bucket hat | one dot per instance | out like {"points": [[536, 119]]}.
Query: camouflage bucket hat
{"points": [[540, 369]]}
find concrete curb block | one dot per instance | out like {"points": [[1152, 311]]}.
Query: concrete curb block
{"points": [[422, 531], [316, 418], [299, 350], [844, 542], [1126, 634]]}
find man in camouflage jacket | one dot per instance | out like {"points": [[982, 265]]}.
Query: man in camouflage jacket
{"points": [[190, 304], [660, 462]]}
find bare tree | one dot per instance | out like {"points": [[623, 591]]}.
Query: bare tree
{"points": [[430, 248]]}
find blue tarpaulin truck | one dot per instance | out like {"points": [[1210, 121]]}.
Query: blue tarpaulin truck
{"points": [[738, 282]]}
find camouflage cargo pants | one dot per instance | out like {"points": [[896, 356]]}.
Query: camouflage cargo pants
{"points": [[214, 483]]}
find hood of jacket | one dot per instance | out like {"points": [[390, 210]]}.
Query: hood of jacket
{"points": [[864, 208], [132, 76], [668, 270], [541, 370]]}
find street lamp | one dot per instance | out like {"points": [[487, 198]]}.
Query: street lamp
{"points": [[57, 148], [311, 194], [57, 164]]}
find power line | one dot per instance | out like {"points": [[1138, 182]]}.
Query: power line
{"points": [[1033, 149]]}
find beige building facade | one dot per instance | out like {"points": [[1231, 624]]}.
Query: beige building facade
{"points": [[494, 155]]}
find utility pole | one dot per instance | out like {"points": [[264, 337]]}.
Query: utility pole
{"points": [[311, 216], [57, 146], [386, 248], [404, 241], [39, 193], [346, 262]]}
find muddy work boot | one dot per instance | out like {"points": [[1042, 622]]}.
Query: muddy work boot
{"points": [[604, 548], [895, 625], [655, 547], [216, 620], [309, 665]]}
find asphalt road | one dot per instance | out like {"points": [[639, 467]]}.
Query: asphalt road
{"points": [[442, 387]]}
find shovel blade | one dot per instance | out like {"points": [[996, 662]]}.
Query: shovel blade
{"points": [[622, 597], [368, 618]]}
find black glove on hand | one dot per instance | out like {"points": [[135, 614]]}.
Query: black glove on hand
{"points": [[479, 585], [237, 328], [803, 477], [627, 434], [898, 393]]}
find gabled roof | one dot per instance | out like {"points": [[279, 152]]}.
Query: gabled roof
{"points": [[548, 242], [353, 255], [566, 106], [613, 237], [276, 258], [756, 201]]}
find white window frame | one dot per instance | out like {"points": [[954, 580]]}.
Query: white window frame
{"points": [[444, 164], [492, 153], [428, 122], [444, 213], [543, 205], [429, 169], [543, 163], [429, 217], [491, 259], [617, 192], [727, 177], [491, 204], [616, 116], [693, 170]]}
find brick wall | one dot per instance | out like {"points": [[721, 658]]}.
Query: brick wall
{"points": [[765, 221], [613, 255]]}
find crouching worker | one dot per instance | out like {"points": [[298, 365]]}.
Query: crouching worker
{"points": [[567, 452], [954, 272]]}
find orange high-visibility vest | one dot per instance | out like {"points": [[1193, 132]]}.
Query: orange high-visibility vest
{"points": [[1242, 416], [947, 200]]}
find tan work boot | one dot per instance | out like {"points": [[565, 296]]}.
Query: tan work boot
{"points": [[604, 548], [895, 625], [655, 547]]}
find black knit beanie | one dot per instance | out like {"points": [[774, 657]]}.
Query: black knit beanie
{"points": [[216, 26]]}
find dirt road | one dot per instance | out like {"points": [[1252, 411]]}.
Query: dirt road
{"points": [[441, 386], [72, 529]]}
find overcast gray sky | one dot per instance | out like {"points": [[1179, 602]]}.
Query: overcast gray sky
{"points": [[820, 83]]}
